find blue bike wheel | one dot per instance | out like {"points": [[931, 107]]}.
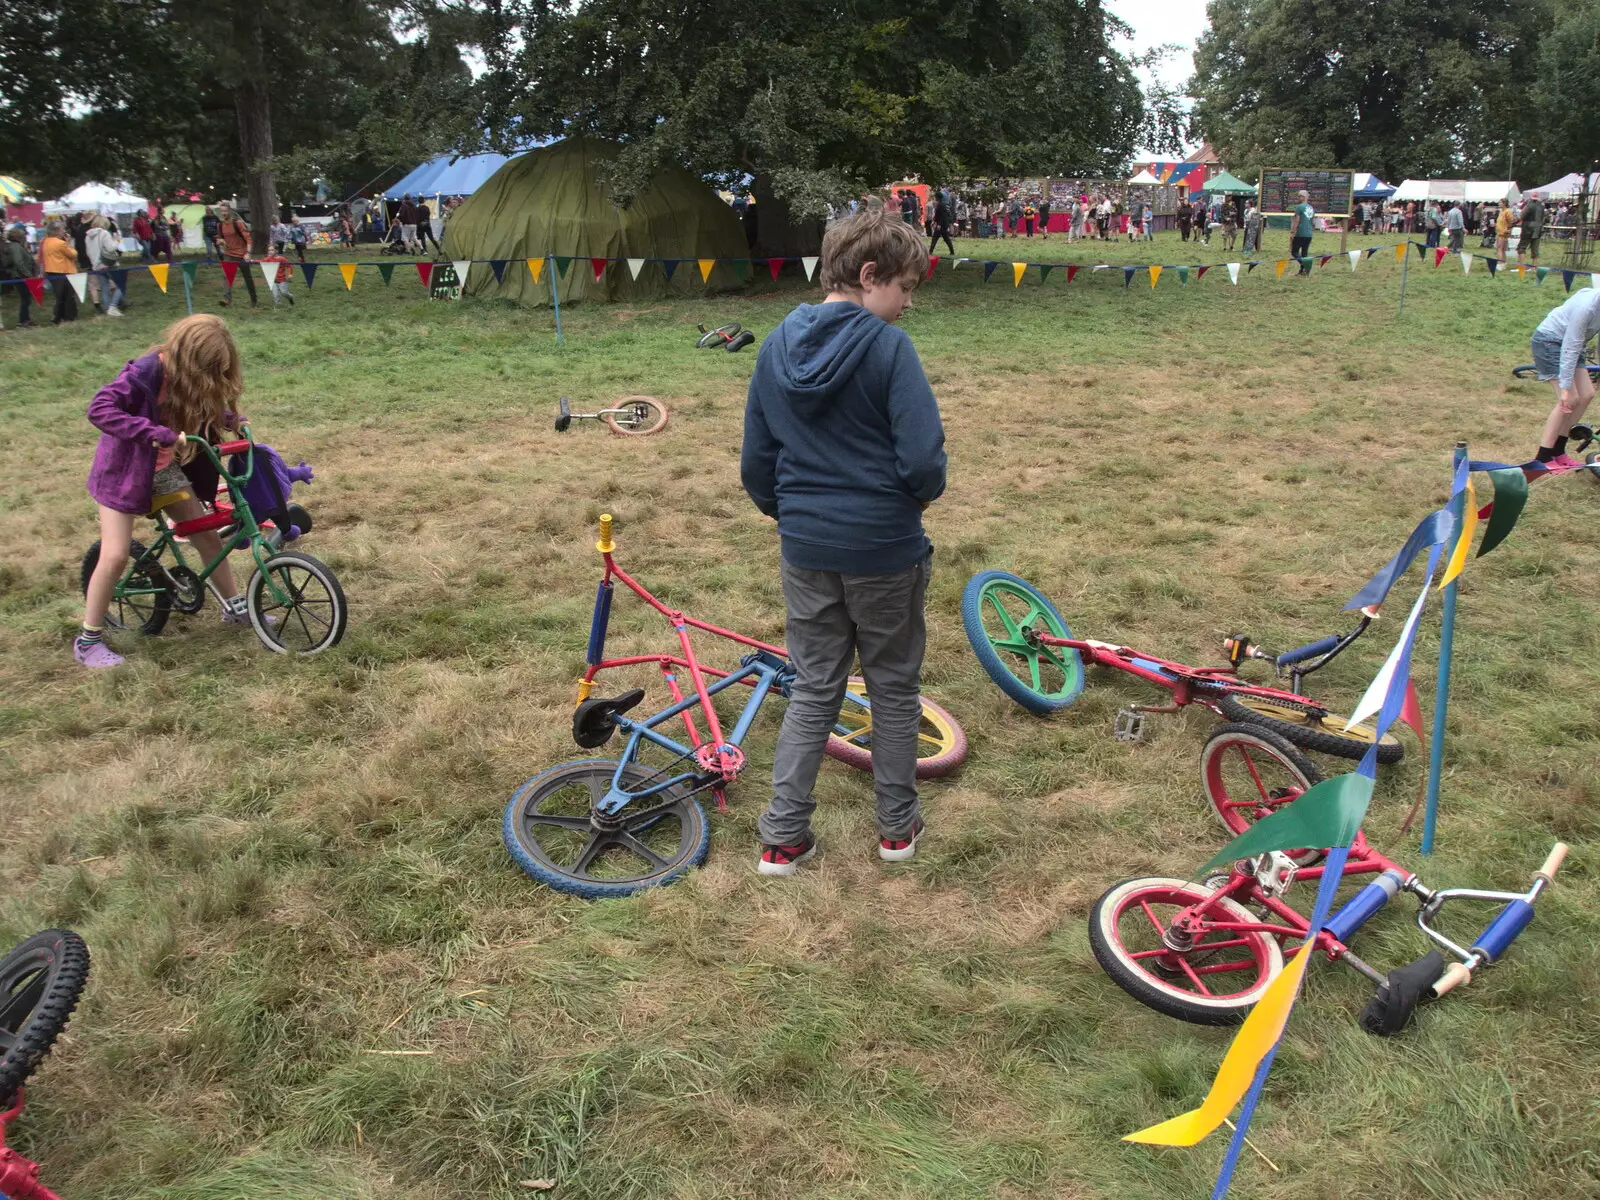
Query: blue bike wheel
{"points": [[996, 608], [551, 830]]}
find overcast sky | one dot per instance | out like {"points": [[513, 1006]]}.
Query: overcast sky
{"points": [[1158, 21]]}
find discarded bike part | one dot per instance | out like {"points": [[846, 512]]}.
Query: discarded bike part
{"points": [[722, 335], [636, 416]]}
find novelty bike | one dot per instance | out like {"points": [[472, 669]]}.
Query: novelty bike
{"points": [[638, 416], [610, 827], [294, 601], [1026, 648]]}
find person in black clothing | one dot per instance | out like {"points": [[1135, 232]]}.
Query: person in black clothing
{"points": [[751, 219], [425, 228], [941, 221], [210, 230]]}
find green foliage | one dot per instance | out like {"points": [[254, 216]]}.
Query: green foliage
{"points": [[1566, 135]]}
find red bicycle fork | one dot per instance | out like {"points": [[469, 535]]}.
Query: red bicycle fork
{"points": [[19, 1177]]}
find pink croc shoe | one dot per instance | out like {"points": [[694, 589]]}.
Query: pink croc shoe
{"points": [[95, 656]]}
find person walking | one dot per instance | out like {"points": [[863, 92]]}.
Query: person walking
{"points": [[1044, 218], [941, 222], [234, 238], [211, 232], [1532, 231], [1185, 218], [1302, 224], [406, 218], [297, 235], [1433, 224], [17, 265], [1455, 224], [60, 261], [105, 253], [1014, 215], [144, 233], [1502, 231]]}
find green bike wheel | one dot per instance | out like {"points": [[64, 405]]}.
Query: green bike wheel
{"points": [[997, 609]]}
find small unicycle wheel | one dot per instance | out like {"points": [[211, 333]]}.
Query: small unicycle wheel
{"points": [[636, 416]]}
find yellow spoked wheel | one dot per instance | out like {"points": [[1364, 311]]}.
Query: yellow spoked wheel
{"points": [[1310, 726], [941, 742]]}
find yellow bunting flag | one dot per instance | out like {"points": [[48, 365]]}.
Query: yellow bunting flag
{"points": [[158, 272], [1400, 251], [536, 268], [1469, 525], [1282, 263], [1259, 1033], [348, 270], [1018, 270], [1155, 274], [705, 269]]}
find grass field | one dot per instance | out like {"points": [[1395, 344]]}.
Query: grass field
{"points": [[290, 871]]}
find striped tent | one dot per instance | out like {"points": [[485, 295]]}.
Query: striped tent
{"points": [[12, 189]]}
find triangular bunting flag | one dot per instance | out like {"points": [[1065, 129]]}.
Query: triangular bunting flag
{"points": [[1233, 273], [189, 271], [635, 265], [1155, 274], [810, 264], [36, 287], [158, 272], [1044, 271], [563, 264], [269, 273], [669, 265], [599, 265], [1438, 254], [1200, 272], [80, 284], [1323, 261], [1594, 280], [425, 272], [1466, 263], [1411, 710], [988, 270], [1539, 273], [387, 271], [535, 268], [1252, 266], [741, 269], [1493, 265], [1283, 264], [1469, 523], [705, 269], [1373, 250], [933, 261], [1127, 276], [956, 262], [1018, 270], [462, 266], [120, 279], [1566, 278], [230, 272], [309, 270], [774, 265], [1355, 257], [1072, 273], [498, 266], [1183, 276], [348, 270], [1400, 251]]}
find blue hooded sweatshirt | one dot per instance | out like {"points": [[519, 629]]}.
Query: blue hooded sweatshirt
{"points": [[842, 441]]}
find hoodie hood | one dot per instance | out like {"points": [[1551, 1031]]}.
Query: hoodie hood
{"points": [[818, 348]]}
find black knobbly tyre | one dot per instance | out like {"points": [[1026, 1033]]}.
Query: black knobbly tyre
{"points": [[719, 335], [299, 517], [147, 603], [1309, 726], [304, 601], [40, 982]]}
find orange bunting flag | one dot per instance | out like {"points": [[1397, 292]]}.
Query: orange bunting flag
{"points": [[1282, 263], [158, 272], [705, 269], [1400, 251], [1155, 274], [1018, 270], [536, 268], [348, 270]]}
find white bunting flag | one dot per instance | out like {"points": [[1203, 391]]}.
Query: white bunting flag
{"points": [[462, 266], [1379, 688], [268, 272], [635, 265], [1355, 257], [956, 262], [1233, 273], [80, 284], [810, 264], [1466, 263], [1594, 280]]}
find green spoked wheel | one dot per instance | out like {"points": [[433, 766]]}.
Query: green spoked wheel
{"points": [[999, 610]]}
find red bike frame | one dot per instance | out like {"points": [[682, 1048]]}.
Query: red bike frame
{"points": [[19, 1176]]}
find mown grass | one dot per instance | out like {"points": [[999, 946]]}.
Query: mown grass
{"points": [[287, 869]]}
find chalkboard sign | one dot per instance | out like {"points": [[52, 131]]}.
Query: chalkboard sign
{"points": [[443, 284], [1330, 190]]}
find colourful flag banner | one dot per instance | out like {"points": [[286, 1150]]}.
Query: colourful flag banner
{"points": [[563, 264], [1018, 270], [933, 261], [1127, 276], [1566, 278], [1044, 271], [1282, 264], [309, 270], [1233, 273], [1432, 530], [1374, 249], [988, 270], [1510, 495], [810, 264], [535, 267], [1438, 254], [230, 272], [387, 271], [1469, 524], [190, 270], [1594, 280], [268, 273], [1355, 257], [348, 270], [425, 272], [1466, 263], [1200, 272], [1324, 259], [599, 265], [1183, 276], [1155, 274], [80, 284], [705, 269], [36, 288], [1400, 252], [1539, 273], [1411, 710], [158, 272], [498, 266], [462, 266], [741, 268], [1493, 264], [1395, 665], [775, 265], [669, 265], [1072, 273]]}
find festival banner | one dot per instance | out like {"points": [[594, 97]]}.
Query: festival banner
{"points": [[1355, 257], [498, 266], [774, 265], [425, 273], [635, 265], [1155, 274], [36, 288], [1018, 270], [80, 284], [387, 271], [309, 270], [462, 266], [1233, 273], [1282, 263], [1466, 263], [599, 265]]}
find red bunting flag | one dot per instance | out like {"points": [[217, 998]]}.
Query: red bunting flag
{"points": [[1201, 272], [774, 265], [1411, 711], [1438, 255], [933, 261], [599, 265], [230, 271], [1323, 261], [1071, 273], [36, 286], [425, 270]]}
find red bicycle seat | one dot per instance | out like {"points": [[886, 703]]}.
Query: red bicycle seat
{"points": [[214, 520]]}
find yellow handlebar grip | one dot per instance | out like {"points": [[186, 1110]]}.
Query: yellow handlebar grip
{"points": [[605, 545]]}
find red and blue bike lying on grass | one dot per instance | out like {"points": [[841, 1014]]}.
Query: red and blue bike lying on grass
{"points": [[1027, 649], [609, 827], [1205, 951]]}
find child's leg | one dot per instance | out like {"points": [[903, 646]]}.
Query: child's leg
{"points": [[1566, 413], [206, 544], [821, 643], [891, 634], [116, 531]]}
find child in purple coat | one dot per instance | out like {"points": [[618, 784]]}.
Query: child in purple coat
{"points": [[190, 382]]}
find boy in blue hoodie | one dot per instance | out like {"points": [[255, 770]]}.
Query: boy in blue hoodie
{"points": [[843, 445]]}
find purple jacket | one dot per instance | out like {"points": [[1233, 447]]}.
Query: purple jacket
{"points": [[123, 475]]}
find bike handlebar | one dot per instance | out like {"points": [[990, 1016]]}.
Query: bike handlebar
{"points": [[1321, 646], [1454, 976], [1552, 864], [605, 545]]}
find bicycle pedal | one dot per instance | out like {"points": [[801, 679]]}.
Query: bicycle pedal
{"points": [[1129, 726]]}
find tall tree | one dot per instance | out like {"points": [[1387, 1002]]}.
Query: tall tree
{"points": [[813, 101], [1400, 87], [1564, 134]]}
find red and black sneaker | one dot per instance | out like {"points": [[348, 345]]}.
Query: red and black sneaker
{"points": [[900, 849], [785, 860]]}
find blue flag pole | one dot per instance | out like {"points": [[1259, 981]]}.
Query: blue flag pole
{"points": [[188, 292], [1405, 266], [555, 299], [1441, 690]]}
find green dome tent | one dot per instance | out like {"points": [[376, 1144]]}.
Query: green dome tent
{"points": [[552, 202]]}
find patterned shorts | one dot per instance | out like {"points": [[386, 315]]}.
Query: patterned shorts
{"points": [[171, 479]]}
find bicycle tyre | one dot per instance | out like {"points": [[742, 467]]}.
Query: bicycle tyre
{"points": [[40, 982], [1032, 694], [147, 615], [324, 628], [1526, 371], [300, 517], [723, 333], [1143, 985], [1592, 461], [536, 860], [645, 427], [948, 741], [1238, 813], [1324, 734]]}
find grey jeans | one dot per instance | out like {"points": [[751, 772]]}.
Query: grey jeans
{"points": [[832, 618]]}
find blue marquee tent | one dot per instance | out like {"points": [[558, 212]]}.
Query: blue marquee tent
{"points": [[448, 175], [1370, 187]]}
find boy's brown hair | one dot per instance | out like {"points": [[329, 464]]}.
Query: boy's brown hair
{"points": [[871, 235]]}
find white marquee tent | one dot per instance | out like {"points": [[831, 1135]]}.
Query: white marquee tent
{"points": [[96, 197], [1567, 185], [1470, 190]]}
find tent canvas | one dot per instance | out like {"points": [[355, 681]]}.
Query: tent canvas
{"points": [[448, 175], [556, 201], [97, 197], [1370, 187], [1143, 179], [1502, 191], [1229, 184], [1471, 191], [1567, 185]]}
